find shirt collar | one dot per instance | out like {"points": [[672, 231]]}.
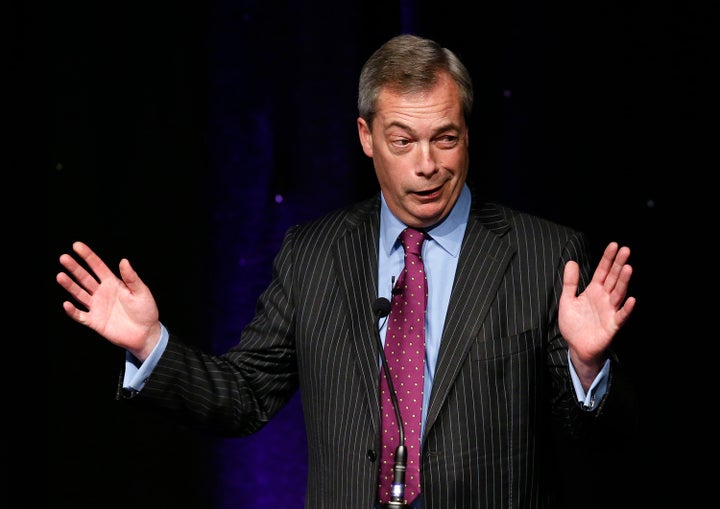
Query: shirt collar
{"points": [[448, 233]]}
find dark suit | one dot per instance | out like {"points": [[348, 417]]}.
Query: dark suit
{"points": [[501, 381]]}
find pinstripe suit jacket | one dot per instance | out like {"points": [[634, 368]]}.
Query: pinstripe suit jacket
{"points": [[501, 379]]}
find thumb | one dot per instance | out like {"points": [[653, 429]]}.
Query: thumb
{"points": [[571, 279], [130, 277]]}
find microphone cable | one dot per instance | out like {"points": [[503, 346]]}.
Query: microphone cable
{"points": [[381, 309]]}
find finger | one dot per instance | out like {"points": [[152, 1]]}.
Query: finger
{"points": [[130, 277], [96, 264], [619, 262], [621, 287], [624, 312], [605, 264], [75, 290], [79, 273], [571, 279], [73, 312]]}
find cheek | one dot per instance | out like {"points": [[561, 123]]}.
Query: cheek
{"points": [[457, 161], [388, 173]]}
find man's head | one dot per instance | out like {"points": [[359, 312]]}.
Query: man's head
{"points": [[414, 102]]}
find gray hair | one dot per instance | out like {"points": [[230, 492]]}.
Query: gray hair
{"points": [[408, 63]]}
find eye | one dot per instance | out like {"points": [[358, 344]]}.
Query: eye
{"points": [[447, 140], [400, 142]]}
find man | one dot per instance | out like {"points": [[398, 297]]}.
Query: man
{"points": [[517, 330]]}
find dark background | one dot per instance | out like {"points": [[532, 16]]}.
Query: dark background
{"points": [[187, 138]]}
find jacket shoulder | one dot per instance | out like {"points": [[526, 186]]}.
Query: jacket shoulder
{"points": [[338, 221], [500, 219]]}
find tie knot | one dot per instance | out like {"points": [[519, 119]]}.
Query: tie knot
{"points": [[412, 240]]}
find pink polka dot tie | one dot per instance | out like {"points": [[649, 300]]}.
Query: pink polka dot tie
{"points": [[405, 352]]}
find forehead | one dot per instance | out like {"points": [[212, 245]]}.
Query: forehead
{"points": [[440, 104]]}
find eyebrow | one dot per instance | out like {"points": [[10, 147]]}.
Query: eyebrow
{"points": [[450, 126]]}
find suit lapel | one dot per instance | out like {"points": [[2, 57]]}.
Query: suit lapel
{"points": [[356, 257], [483, 260]]}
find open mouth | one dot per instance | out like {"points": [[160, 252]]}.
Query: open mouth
{"points": [[429, 192]]}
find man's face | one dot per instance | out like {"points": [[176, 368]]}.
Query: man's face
{"points": [[419, 147]]}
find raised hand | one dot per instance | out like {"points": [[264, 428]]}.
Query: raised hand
{"points": [[589, 321], [123, 311]]}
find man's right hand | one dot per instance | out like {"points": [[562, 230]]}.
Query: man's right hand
{"points": [[123, 311]]}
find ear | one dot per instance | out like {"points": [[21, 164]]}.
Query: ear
{"points": [[365, 135]]}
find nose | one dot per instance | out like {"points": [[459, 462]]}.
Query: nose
{"points": [[427, 163]]}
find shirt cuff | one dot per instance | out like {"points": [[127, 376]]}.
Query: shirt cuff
{"points": [[597, 390], [136, 372]]}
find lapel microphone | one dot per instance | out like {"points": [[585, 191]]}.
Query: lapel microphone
{"points": [[381, 309]]}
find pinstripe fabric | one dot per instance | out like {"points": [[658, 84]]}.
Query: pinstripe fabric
{"points": [[501, 375]]}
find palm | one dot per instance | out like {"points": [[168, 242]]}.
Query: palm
{"points": [[119, 314], [589, 321], [121, 310]]}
